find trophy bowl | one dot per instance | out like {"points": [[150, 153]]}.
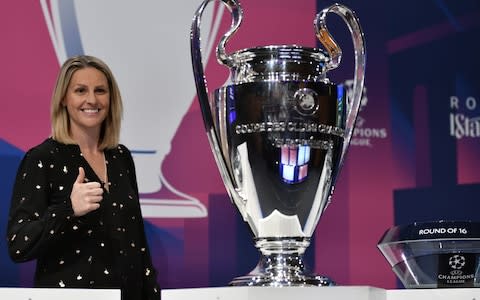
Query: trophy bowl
{"points": [[437, 254]]}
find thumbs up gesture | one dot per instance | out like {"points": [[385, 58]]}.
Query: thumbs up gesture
{"points": [[85, 196]]}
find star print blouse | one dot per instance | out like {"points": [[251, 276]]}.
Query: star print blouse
{"points": [[106, 248]]}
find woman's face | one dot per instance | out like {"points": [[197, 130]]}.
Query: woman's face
{"points": [[87, 100]]}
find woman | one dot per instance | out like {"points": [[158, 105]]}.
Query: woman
{"points": [[75, 205]]}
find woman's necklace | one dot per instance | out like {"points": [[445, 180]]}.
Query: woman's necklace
{"points": [[99, 166], [105, 173]]}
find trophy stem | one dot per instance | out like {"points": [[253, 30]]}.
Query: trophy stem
{"points": [[281, 264]]}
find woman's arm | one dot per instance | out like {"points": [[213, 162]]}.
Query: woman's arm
{"points": [[34, 220]]}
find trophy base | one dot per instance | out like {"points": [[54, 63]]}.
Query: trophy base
{"points": [[266, 280], [281, 264]]}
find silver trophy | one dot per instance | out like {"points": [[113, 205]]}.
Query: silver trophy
{"points": [[279, 131]]}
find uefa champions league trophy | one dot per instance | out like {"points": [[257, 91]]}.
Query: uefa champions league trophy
{"points": [[279, 131]]}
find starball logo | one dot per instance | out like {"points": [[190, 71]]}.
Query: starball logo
{"points": [[464, 117], [363, 135]]}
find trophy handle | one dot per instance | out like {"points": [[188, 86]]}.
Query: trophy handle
{"points": [[353, 105], [196, 53], [237, 17], [202, 89]]}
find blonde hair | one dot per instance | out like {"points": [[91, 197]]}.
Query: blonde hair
{"points": [[110, 130]]}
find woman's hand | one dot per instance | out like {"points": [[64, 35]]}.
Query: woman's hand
{"points": [[85, 196]]}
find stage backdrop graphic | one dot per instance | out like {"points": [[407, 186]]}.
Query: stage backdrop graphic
{"points": [[414, 154]]}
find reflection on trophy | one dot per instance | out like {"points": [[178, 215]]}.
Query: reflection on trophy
{"points": [[143, 53], [279, 131]]}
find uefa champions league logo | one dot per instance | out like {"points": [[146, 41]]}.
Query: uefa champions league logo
{"points": [[457, 262], [149, 51], [362, 135], [459, 270], [348, 84]]}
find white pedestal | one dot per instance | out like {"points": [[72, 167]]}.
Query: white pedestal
{"points": [[58, 294], [434, 294], [318, 293], [275, 293]]}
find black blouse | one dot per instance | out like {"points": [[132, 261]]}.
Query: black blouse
{"points": [[105, 248]]}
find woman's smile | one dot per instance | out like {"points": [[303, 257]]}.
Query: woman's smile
{"points": [[87, 100]]}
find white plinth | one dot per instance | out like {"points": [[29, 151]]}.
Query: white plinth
{"points": [[275, 293], [435, 294], [58, 294], [319, 293]]}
